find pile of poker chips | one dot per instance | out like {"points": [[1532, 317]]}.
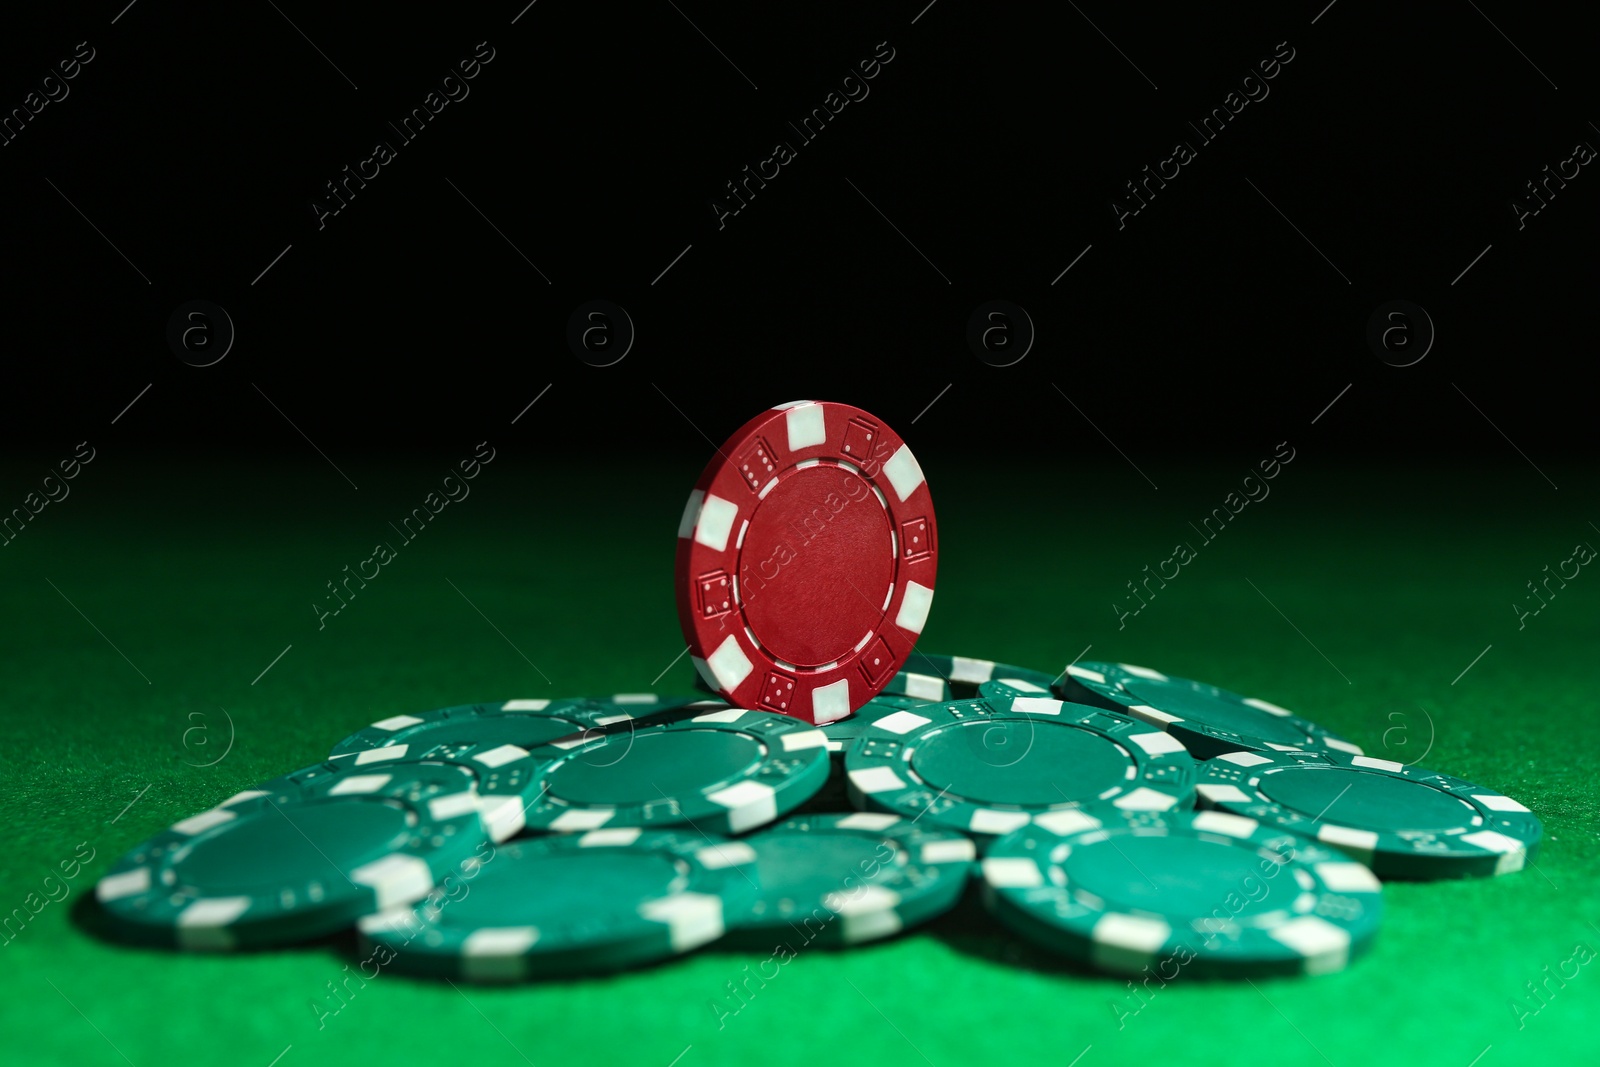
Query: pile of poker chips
{"points": [[533, 839], [833, 786]]}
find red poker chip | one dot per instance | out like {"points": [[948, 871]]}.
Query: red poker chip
{"points": [[806, 559]]}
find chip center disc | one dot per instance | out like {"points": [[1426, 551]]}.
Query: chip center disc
{"points": [[256, 850], [565, 889], [816, 565], [1366, 801], [1186, 703], [1179, 876], [1020, 761], [659, 763], [491, 731], [805, 868]]}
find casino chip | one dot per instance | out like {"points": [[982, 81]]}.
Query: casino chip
{"points": [[845, 879], [1209, 721], [723, 771], [987, 767], [525, 723], [1197, 893], [841, 732], [806, 561], [1403, 822], [571, 904], [937, 678], [297, 857], [501, 744]]}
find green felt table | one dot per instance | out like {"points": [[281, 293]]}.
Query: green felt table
{"points": [[162, 652]]}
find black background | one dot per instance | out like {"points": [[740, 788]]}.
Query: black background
{"points": [[994, 141]]}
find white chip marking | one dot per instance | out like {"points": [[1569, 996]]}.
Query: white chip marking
{"points": [[876, 821], [612, 837], [1023, 686], [727, 854], [903, 472], [1036, 706], [728, 715], [1222, 822], [729, 666], [1143, 672], [1146, 799], [581, 819], [692, 919], [443, 809], [1342, 746], [1222, 794], [806, 426], [635, 698], [1325, 946], [954, 850], [396, 722], [1244, 759], [902, 722], [989, 821], [394, 879], [1267, 706], [716, 522], [1493, 841], [502, 816], [749, 804], [248, 794], [525, 705], [1085, 674], [973, 671], [495, 954], [1153, 716], [126, 884], [379, 755], [360, 783], [914, 608], [501, 755], [691, 512], [1496, 802], [1377, 764], [1127, 942], [1012, 873], [196, 824], [876, 779], [203, 925], [1157, 744], [923, 686], [1359, 842], [1348, 877], [802, 740], [830, 702], [1067, 821]]}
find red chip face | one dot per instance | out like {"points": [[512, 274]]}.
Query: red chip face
{"points": [[806, 559]]}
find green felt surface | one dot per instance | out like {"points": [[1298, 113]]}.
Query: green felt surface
{"points": [[1355, 597]]}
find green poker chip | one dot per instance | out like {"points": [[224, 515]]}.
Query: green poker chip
{"points": [[570, 904], [986, 767], [1209, 721], [295, 858], [526, 723], [722, 771], [1403, 822], [1173, 893], [832, 879]]}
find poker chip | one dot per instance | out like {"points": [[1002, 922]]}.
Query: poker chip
{"points": [[571, 904], [528, 723], [297, 857], [806, 560], [1403, 822], [722, 771], [1209, 721], [1181, 893], [986, 767], [846, 879]]}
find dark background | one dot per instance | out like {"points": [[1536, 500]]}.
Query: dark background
{"points": [[596, 139]]}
